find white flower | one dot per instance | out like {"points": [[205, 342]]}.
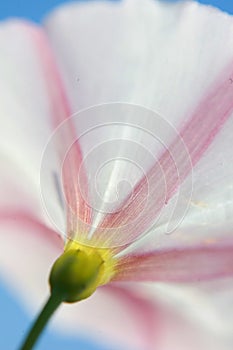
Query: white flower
{"points": [[176, 59]]}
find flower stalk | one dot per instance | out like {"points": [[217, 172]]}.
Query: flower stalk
{"points": [[49, 308], [74, 276]]}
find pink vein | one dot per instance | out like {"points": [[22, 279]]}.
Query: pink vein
{"points": [[201, 128], [61, 111], [33, 224], [186, 265]]}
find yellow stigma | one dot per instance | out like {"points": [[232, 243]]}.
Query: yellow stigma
{"points": [[77, 273]]}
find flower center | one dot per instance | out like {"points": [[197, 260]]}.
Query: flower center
{"points": [[77, 273]]}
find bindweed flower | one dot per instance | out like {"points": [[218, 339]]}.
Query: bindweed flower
{"points": [[116, 147]]}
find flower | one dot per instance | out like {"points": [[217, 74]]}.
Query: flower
{"points": [[175, 59]]}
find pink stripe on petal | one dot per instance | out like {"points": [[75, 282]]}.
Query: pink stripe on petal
{"points": [[209, 117], [66, 144], [25, 220], [145, 312], [187, 265], [154, 191], [60, 107]]}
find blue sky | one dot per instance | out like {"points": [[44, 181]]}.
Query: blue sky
{"points": [[13, 318], [36, 9]]}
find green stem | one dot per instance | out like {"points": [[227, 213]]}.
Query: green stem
{"points": [[51, 305]]}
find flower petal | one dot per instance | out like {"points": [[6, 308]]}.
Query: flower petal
{"points": [[130, 316], [64, 141], [209, 219], [207, 305], [33, 104], [160, 56], [188, 265], [143, 52], [26, 114], [200, 130], [143, 319], [28, 250]]}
